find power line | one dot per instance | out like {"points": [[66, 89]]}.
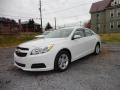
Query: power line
{"points": [[59, 11], [47, 3], [62, 9], [73, 16], [25, 18], [17, 17], [8, 15]]}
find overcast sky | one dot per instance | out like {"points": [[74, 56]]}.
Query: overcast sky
{"points": [[65, 11]]}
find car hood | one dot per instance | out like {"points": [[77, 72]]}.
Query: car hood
{"points": [[42, 42]]}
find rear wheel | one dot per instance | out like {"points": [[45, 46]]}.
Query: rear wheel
{"points": [[97, 49], [62, 61]]}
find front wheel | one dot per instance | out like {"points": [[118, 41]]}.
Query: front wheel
{"points": [[62, 61], [97, 49]]}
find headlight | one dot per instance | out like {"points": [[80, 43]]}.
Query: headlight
{"points": [[42, 50], [35, 51]]}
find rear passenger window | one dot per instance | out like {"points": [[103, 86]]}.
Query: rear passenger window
{"points": [[93, 33], [88, 33], [79, 32]]}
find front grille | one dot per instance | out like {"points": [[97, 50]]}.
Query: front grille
{"points": [[19, 64], [20, 54], [39, 65]]}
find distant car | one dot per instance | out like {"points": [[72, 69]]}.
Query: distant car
{"points": [[43, 35], [57, 50]]}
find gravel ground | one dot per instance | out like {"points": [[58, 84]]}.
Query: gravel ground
{"points": [[101, 72]]}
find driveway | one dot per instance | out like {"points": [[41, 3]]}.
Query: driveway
{"points": [[101, 72]]}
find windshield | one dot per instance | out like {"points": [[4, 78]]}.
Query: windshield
{"points": [[63, 33]]}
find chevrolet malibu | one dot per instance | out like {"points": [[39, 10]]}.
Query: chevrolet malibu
{"points": [[57, 50]]}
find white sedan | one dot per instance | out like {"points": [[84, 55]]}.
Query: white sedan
{"points": [[57, 50]]}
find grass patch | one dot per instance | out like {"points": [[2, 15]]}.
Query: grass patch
{"points": [[14, 40], [113, 37]]}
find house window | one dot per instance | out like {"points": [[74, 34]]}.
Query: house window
{"points": [[98, 16], [118, 24], [112, 13], [98, 27], [118, 12], [118, 1], [111, 25]]}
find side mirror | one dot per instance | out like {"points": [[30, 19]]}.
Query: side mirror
{"points": [[76, 37]]}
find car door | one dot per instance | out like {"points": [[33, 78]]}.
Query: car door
{"points": [[90, 41], [78, 45]]}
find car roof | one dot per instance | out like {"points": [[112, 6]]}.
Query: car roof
{"points": [[75, 27]]}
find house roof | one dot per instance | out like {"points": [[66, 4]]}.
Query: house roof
{"points": [[100, 6]]}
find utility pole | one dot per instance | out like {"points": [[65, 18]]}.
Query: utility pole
{"points": [[55, 22], [80, 23], [41, 15], [20, 26]]}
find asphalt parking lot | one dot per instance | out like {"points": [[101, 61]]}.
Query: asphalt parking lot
{"points": [[101, 72]]}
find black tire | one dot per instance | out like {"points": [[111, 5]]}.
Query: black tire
{"points": [[57, 60], [97, 49]]}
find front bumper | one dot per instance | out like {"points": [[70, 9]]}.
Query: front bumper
{"points": [[47, 59]]}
